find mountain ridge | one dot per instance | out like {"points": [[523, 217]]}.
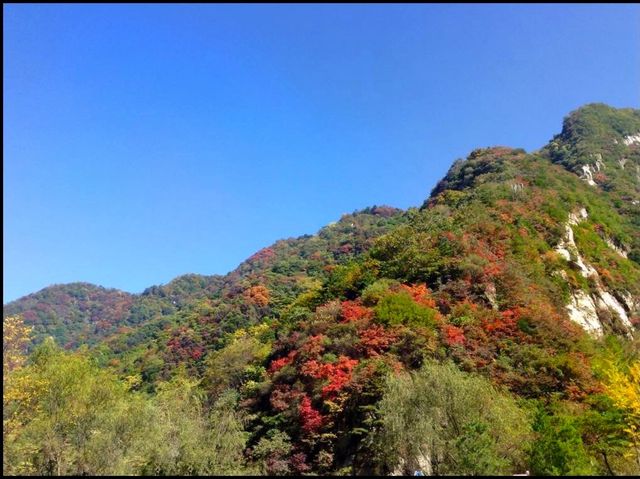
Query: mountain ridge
{"points": [[164, 299], [568, 149]]}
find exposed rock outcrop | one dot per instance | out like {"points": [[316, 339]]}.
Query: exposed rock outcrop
{"points": [[582, 310], [618, 249], [587, 175], [589, 309], [632, 139]]}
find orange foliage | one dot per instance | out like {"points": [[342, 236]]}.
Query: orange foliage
{"points": [[505, 324], [257, 295], [312, 368], [353, 310], [420, 294], [314, 345]]}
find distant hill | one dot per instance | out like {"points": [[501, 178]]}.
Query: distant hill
{"points": [[82, 313]]}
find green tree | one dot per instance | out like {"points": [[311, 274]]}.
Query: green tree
{"points": [[186, 440], [399, 308], [558, 449], [444, 421], [75, 418]]}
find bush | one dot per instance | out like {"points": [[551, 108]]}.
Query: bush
{"points": [[399, 308]]}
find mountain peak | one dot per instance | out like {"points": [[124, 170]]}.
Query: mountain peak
{"points": [[471, 171], [601, 145], [599, 126]]}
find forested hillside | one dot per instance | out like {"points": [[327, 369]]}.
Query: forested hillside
{"points": [[493, 330]]}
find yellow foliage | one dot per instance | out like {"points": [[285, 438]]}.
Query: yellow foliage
{"points": [[18, 389], [133, 381], [15, 337], [624, 390]]}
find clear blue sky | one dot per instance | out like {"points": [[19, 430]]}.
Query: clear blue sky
{"points": [[144, 142]]}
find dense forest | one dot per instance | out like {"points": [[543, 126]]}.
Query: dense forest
{"points": [[492, 330]]}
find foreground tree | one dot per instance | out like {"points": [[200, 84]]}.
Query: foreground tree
{"points": [[184, 439], [69, 417], [15, 338], [444, 421], [624, 390]]}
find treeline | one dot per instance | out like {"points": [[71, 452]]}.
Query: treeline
{"points": [[63, 415]]}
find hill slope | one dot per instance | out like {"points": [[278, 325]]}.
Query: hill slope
{"points": [[516, 268], [82, 313]]}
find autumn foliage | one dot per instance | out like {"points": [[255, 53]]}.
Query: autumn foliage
{"points": [[258, 295], [310, 418]]}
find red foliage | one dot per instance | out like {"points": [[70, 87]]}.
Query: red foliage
{"points": [[353, 311], [375, 340], [600, 177], [312, 368], [338, 373], [279, 363], [505, 325], [184, 345], [384, 211], [449, 235], [574, 392], [490, 249], [310, 418], [282, 397], [265, 254], [493, 269], [453, 335], [196, 352], [299, 462]]}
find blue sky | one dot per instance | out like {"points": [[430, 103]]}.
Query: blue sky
{"points": [[144, 142]]}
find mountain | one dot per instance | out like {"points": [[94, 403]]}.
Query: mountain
{"points": [[73, 313], [493, 330], [82, 313]]}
